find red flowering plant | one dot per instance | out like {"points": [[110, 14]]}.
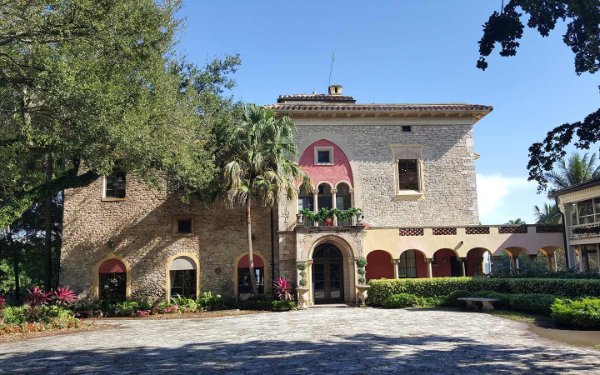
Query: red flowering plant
{"points": [[64, 297], [37, 297], [282, 289]]}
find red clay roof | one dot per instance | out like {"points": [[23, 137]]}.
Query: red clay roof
{"points": [[299, 107]]}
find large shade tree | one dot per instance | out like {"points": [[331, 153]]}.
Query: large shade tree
{"points": [[258, 166], [90, 86], [506, 27]]}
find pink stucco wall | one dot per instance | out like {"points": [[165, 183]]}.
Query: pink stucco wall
{"points": [[339, 171]]}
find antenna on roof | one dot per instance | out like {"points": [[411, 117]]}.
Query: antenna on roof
{"points": [[331, 68]]}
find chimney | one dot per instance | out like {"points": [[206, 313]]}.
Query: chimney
{"points": [[335, 90]]}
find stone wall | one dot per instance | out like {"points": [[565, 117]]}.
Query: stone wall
{"points": [[140, 230], [450, 196]]}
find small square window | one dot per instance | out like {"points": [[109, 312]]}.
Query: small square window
{"points": [[407, 128], [184, 226], [324, 155]]}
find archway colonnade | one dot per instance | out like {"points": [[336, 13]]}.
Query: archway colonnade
{"points": [[446, 262]]}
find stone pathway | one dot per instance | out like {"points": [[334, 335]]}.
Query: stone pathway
{"points": [[319, 340]]}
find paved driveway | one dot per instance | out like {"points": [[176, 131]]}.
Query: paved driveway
{"points": [[319, 340]]}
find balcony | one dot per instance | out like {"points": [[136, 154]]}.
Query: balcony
{"points": [[583, 231], [327, 219]]}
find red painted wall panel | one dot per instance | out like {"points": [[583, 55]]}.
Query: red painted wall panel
{"points": [[379, 265], [339, 171]]}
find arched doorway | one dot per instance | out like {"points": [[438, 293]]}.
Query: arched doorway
{"points": [[446, 264], [379, 265], [327, 274], [112, 281], [183, 278], [244, 286], [478, 262]]}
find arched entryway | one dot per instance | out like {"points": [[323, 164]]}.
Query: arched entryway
{"points": [[412, 264], [244, 286], [183, 278], [446, 263], [112, 281], [478, 262], [327, 274], [379, 265]]}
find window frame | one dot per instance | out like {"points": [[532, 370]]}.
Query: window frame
{"points": [[408, 152], [318, 149], [106, 198], [175, 226]]}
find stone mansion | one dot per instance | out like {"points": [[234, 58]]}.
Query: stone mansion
{"points": [[409, 168]]}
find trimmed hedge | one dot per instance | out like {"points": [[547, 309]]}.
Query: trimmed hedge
{"points": [[581, 314], [398, 301], [440, 287]]}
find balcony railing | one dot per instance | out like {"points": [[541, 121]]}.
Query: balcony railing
{"points": [[329, 218], [584, 230]]}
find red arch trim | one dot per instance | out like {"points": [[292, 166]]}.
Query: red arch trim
{"points": [[258, 262], [112, 266]]}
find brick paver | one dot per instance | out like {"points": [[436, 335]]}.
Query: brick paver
{"points": [[319, 340]]}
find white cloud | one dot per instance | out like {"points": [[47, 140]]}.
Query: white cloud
{"points": [[503, 198]]}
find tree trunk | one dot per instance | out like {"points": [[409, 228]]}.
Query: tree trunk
{"points": [[48, 228], [250, 251], [16, 259]]}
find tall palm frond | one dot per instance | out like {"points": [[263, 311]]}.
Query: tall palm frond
{"points": [[573, 171]]}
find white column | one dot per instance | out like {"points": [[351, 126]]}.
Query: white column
{"points": [[463, 266], [334, 205], [395, 263], [429, 268]]}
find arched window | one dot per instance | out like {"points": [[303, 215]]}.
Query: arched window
{"points": [[324, 199], [243, 274], [306, 201], [183, 277], [112, 281], [343, 198]]}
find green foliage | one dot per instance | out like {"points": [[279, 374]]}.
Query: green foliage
{"points": [[579, 314], [401, 300], [361, 262], [303, 282], [548, 214], [266, 303], [100, 86], [15, 315], [451, 299], [505, 28], [186, 304], [210, 301], [535, 303], [439, 287], [324, 213], [301, 266]]}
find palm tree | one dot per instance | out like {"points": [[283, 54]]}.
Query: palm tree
{"points": [[517, 221], [548, 214], [258, 165], [573, 171]]}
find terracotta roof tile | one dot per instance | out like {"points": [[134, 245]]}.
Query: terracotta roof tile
{"points": [[310, 107]]}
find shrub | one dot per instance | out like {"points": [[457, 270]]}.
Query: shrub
{"points": [[581, 314], [439, 287], [64, 296], [401, 300], [209, 301], [283, 305], [532, 303], [15, 315], [37, 297], [186, 304], [451, 300], [282, 289], [503, 298]]}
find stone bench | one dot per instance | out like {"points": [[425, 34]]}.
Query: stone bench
{"points": [[486, 303]]}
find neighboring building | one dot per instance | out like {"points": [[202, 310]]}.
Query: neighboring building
{"points": [[581, 208], [410, 168]]}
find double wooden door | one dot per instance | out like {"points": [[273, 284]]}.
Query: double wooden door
{"points": [[328, 275]]}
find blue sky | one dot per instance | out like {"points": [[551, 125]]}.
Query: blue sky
{"points": [[404, 52]]}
